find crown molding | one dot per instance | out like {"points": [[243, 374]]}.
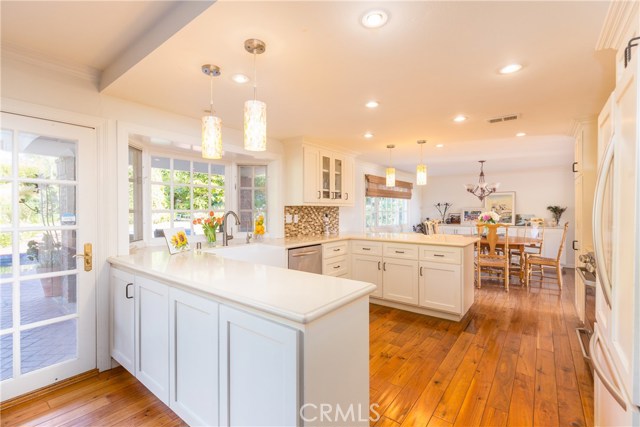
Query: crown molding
{"points": [[43, 61], [616, 24]]}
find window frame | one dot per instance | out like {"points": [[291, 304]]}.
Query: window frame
{"points": [[137, 210], [253, 188], [377, 212]]}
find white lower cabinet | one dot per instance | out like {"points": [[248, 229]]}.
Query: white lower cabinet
{"points": [[440, 286], [152, 336], [400, 278], [368, 268], [193, 367], [258, 371], [122, 319]]}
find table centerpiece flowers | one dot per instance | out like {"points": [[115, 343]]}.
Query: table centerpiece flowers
{"points": [[210, 226], [488, 218]]}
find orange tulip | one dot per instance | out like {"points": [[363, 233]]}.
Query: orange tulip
{"points": [[210, 213], [195, 221]]}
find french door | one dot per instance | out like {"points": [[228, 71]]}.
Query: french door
{"points": [[48, 211]]}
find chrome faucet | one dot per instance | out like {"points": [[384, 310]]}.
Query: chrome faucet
{"points": [[226, 236]]}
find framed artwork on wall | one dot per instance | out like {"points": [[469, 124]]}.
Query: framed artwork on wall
{"points": [[470, 215], [503, 204]]}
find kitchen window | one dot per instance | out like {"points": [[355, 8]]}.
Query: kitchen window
{"points": [[252, 194], [385, 212], [182, 190], [135, 194]]}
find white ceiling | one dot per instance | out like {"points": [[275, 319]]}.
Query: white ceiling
{"points": [[432, 61]]}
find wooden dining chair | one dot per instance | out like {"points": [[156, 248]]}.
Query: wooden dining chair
{"points": [[489, 260], [534, 260]]}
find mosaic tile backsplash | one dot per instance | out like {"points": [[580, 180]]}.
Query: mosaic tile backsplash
{"points": [[310, 220]]}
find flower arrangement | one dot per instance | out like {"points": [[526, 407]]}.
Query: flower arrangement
{"points": [[488, 218], [258, 229], [209, 226]]}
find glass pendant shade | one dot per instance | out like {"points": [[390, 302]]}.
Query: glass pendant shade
{"points": [[255, 125], [391, 177], [421, 175], [211, 137]]}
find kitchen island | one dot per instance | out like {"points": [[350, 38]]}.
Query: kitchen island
{"points": [[226, 342]]}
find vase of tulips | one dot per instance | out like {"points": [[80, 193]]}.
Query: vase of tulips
{"points": [[210, 226]]}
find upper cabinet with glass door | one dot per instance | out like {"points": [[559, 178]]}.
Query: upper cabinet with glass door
{"points": [[317, 176]]}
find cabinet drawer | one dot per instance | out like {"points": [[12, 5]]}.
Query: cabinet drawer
{"points": [[337, 266], [363, 247], [330, 250], [442, 254], [400, 250]]}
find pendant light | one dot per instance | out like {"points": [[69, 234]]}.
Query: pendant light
{"points": [[211, 125], [421, 169], [391, 171], [255, 112]]}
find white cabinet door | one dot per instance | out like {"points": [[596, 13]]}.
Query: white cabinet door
{"points": [[368, 268], [193, 340], [122, 319], [258, 371], [311, 186], [152, 336], [400, 278], [440, 286]]}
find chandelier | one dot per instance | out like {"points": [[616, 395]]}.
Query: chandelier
{"points": [[482, 189]]}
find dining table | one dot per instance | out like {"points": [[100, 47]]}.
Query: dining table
{"points": [[515, 242]]}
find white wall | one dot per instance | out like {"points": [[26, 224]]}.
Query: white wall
{"points": [[352, 219], [535, 190]]}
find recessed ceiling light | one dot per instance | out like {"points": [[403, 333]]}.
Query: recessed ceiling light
{"points": [[368, 135], [240, 78], [511, 68], [439, 145], [159, 141], [371, 104], [375, 19], [459, 118], [521, 134]]}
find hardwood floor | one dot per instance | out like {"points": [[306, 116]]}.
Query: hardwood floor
{"points": [[513, 360]]}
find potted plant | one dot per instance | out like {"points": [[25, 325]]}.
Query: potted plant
{"points": [[49, 256], [557, 212]]}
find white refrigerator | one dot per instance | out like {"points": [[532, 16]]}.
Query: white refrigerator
{"points": [[615, 344]]}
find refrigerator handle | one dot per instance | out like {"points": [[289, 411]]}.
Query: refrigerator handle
{"points": [[615, 392], [607, 160]]}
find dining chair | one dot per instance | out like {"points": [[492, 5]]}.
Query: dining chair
{"points": [[533, 260], [492, 260]]}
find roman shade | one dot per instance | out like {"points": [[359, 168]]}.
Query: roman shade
{"points": [[376, 187]]}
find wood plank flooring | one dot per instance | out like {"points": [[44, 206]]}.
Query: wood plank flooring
{"points": [[514, 360]]}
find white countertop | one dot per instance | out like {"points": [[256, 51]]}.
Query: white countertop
{"points": [[294, 295], [415, 238]]}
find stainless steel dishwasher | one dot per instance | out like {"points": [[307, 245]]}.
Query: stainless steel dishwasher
{"points": [[307, 258]]}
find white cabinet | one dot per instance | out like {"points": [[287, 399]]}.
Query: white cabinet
{"points": [[368, 268], [440, 286], [400, 278], [152, 336], [258, 371], [317, 176], [122, 319], [193, 339], [335, 259], [466, 230], [584, 167]]}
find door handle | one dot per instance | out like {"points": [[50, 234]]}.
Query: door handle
{"points": [[126, 291], [384, 266], [87, 256], [299, 254], [595, 362], [346, 196], [573, 245], [420, 271], [573, 167], [319, 194], [378, 265]]}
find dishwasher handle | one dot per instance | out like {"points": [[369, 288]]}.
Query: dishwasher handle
{"points": [[300, 254]]}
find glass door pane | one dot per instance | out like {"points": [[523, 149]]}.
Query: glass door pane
{"points": [[326, 177], [337, 178]]}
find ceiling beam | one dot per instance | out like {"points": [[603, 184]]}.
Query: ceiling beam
{"points": [[170, 23]]}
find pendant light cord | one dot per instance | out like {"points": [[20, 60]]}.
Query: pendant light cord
{"points": [[255, 77], [211, 94]]}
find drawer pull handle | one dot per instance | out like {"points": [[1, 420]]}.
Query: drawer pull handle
{"points": [[337, 250], [399, 252], [366, 249], [335, 267], [126, 291], [439, 255]]}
